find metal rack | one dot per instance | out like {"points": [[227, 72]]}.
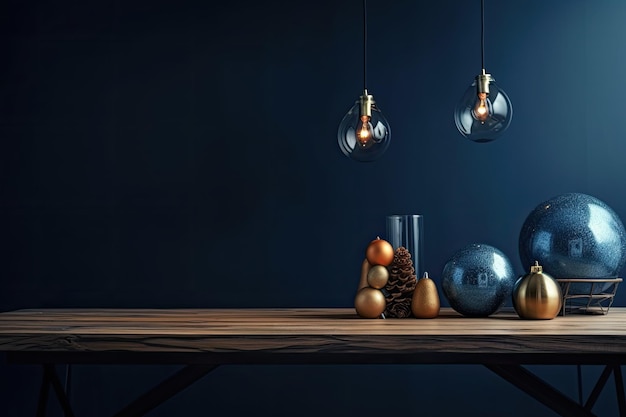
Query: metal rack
{"points": [[588, 295]]}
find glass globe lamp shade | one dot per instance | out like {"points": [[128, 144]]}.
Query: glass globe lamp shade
{"points": [[364, 138], [483, 118]]}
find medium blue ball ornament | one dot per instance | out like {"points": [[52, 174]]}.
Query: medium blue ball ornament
{"points": [[574, 235], [478, 280]]}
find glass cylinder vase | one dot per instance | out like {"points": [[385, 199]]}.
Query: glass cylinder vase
{"points": [[407, 230]]}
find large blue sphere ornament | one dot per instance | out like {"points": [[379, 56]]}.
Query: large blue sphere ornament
{"points": [[574, 235], [478, 280]]}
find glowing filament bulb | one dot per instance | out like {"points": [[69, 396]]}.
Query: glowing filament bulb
{"points": [[365, 131], [481, 111]]}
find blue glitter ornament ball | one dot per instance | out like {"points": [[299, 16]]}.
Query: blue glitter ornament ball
{"points": [[574, 235], [478, 280]]}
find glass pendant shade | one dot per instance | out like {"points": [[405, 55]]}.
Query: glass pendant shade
{"points": [[364, 133], [483, 116]]}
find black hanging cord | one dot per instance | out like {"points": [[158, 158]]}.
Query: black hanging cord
{"points": [[364, 45], [482, 33]]}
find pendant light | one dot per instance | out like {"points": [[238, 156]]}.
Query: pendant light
{"points": [[364, 132], [484, 112]]}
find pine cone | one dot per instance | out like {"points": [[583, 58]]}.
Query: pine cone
{"points": [[401, 284]]}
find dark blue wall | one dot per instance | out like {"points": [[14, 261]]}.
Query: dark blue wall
{"points": [[183, 154]]}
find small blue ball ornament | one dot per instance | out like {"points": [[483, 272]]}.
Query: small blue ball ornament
{"points": [[574, 235], [478, 280]]}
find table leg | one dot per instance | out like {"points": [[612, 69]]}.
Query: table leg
{"points": [[540, 390], [597, 389], [165, 390], [619, 388], [68, 382], [50, 378], [42, 403], [579, 376]]}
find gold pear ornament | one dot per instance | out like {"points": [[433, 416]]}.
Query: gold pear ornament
{"points": [[365, 268], [425, 302], [537, 295]]}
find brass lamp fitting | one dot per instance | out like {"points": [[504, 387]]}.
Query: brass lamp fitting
{"points": [[482, 82], [367, 101]]}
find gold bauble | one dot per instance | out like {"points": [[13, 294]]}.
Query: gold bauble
{"points": [[369, 303], [378, 276], [379, 252], [537, 295], [365, 268], [425, 302]]}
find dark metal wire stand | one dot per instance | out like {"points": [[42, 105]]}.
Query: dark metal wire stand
{"points": [[588, 295]]}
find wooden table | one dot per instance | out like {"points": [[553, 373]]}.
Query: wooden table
{"points": [[202, 339]]}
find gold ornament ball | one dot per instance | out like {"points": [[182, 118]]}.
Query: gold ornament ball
{"points": [[379, 252], [369, 303], [377, 276], [537, 295]]}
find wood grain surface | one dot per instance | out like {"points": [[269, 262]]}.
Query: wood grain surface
{"points": [[311, 335]]}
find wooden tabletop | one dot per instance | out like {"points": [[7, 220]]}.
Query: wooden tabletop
{"points": [[306, 335]]}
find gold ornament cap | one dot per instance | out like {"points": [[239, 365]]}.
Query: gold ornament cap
{"points": [[536, 268]]}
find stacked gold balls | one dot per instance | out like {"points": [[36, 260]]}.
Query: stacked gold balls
{"points": [[370, 301]]}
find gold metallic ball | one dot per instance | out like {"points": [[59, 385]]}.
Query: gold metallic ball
{"points": [[379, 252], [537, 295], [378, 276], [369, 303]]}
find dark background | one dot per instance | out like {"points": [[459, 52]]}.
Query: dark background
{"points": [[183, 154]]}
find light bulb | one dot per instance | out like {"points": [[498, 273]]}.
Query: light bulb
{"points": [[364, 132], [484, 112], [481, 110], [364, 128]]}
